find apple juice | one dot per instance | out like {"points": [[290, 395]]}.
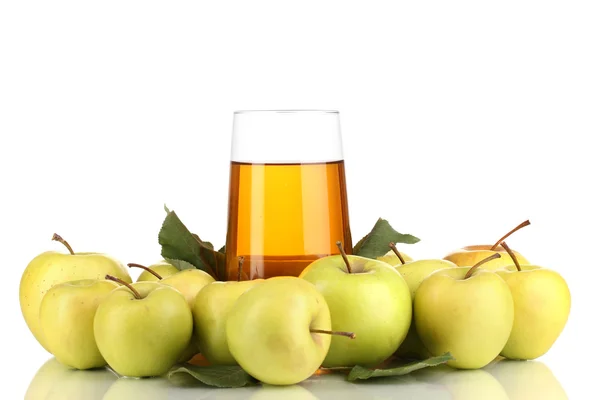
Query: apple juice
{"points": [[284, 216]]}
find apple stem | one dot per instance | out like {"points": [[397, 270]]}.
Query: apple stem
{"points": [[344, 256], [516, 228], [240, 267], [122, 282], [512, 255], [134, 265], [337, 333], [396, 252], [59, 238], [474, 267]]}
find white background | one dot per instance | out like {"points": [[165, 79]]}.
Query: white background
{"points": [[460, 119]]}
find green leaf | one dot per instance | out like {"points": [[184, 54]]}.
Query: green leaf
{"points": [[359, 372], [178, 243], [377, 242], [223, 376], [180, 264], [166, 208], [222, 249]]}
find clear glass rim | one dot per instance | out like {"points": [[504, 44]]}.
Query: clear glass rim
{"points": [[291, 111]]}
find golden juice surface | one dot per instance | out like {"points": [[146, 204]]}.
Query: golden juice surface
{"points": [[284, 216]]}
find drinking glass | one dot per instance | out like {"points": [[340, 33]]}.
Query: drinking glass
{"points": [[287, 192]]}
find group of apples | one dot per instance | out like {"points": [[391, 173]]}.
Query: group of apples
{"points": [[343, 310]]}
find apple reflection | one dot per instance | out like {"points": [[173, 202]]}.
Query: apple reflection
{"points": [[335, 386], [527, 380], [56, 381], [464, 384]]}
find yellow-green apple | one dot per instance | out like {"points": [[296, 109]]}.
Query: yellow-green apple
{"points": [[464, 311], [51, 268], [394, 258], [527, 380], [67, 321], [210, 310], [471, 255], [414, 272], [188, 281], [542, 304], [162, 268], [367, 297], [143, 328], [55, 381], [279, 331]]}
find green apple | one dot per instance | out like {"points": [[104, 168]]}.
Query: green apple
{"points": [[414, 273], [468, 314], [367, 297], [188, 282], [527, 380], [542, 304], [143, 328], [55, 381], [210, 310], [392, 258], [67, 321], [471, 255], [51, 268], [276, 330], [163, 269]]}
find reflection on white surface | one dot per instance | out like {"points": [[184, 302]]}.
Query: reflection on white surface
{"points": [[464, 384], [501, 380], [527, 380], [55, 381]]}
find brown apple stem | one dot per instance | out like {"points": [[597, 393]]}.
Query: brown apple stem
{"points": [[337, 333], [122, 282], [58, 238], [512, 255], [240, 267], [480, 263], [344, 256], [134, 265], [396, 252], [516, 228]]}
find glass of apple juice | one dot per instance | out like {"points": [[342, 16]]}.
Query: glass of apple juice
{"points": [[287, 193]]}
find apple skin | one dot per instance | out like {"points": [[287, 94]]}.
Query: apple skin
{"points": [[391, 258], [67, 320], [210, 310], [414, 272], [55, 381], [163, 268], [471, 318], [144, 337], [542, 304], [373, 302], [51, 268], [268, 330], [189, 282], [471, 255]]}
